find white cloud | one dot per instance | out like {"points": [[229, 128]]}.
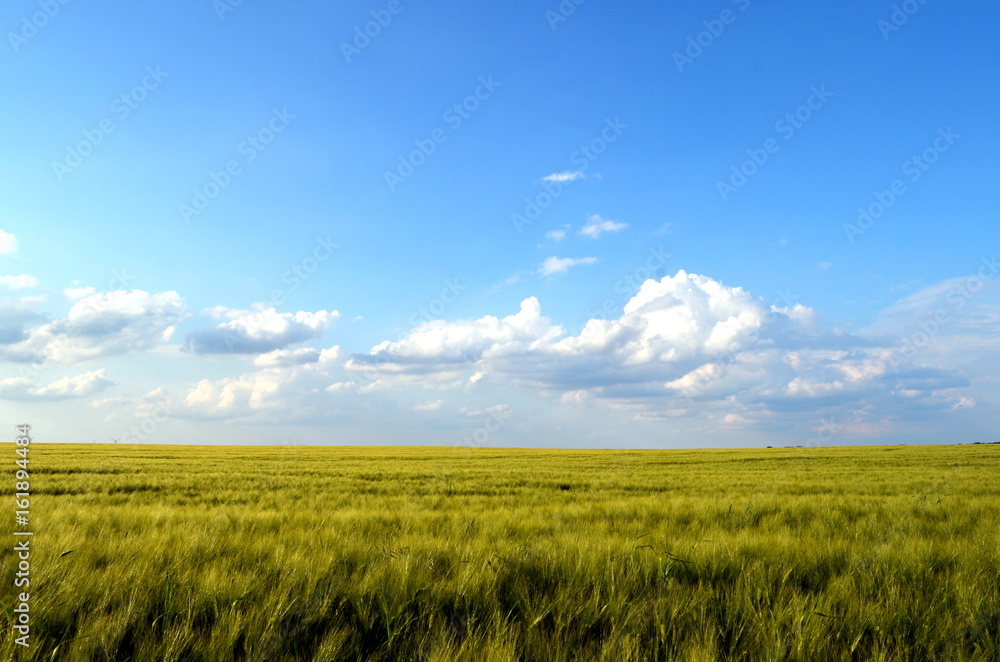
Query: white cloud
{"points": [[75, 293], [558, 234], [439, 354], [284, 390], [501, 411], [101, 325], [76, 387], [8, 243], [506, 282], [258, 331], [284, 357], [15, 388], [685, 345], [18, 282], [564, 177], [79, 386], [672, 318], [964, 403], [596, 226], [115, 401], [557, 265]]}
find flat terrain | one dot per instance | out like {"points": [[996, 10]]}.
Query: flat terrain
{"points": [[351, 553]]}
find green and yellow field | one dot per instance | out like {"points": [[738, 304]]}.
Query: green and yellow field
{"points": [[350, 553]]}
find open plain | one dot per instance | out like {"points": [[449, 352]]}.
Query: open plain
{"points": [[191, 553]]}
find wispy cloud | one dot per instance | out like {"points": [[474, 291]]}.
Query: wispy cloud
{"points": [[18, 282], [558, 234], [564, 177], [285, 357], [596, 226], [80, 386], [507, 282], [8, 243], [75, 293], [557, 265]]}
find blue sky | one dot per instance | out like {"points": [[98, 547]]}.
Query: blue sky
{"points": [[528, 224]]}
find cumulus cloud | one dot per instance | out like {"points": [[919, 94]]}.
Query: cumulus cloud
{"points": [[596, 226], [684, 345], [672, 318], [18, 282], [557, 265], [440, 354], [15, 322], [258, 331], [15, 388], [286, 389], [8, 243], [79, 386], [101, 325]]}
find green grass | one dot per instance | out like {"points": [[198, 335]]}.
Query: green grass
{"points": [[336, 553]]}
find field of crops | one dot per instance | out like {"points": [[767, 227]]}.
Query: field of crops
{"points": [[351, 553]]}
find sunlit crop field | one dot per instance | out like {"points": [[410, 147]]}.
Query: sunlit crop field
{"points": [[351, 553]]}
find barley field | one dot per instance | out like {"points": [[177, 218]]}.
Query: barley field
{"points": [[193, 553]]}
